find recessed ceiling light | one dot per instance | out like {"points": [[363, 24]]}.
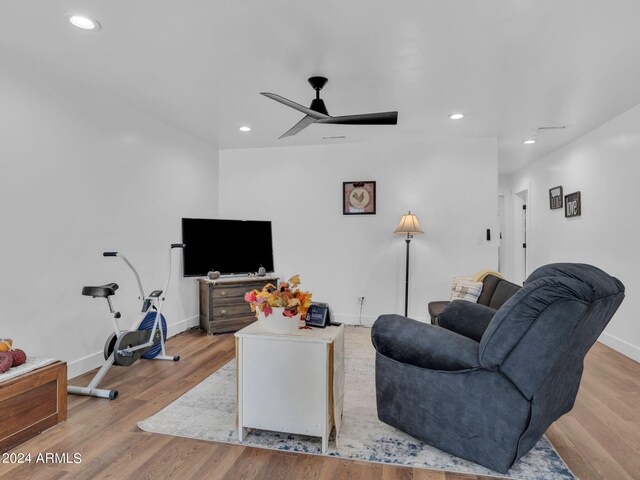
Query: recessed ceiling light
{"points": [[244, 128], [456, 116], [85, 23], [529, 142]]}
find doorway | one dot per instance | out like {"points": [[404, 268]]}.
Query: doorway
{"points": [[501, 239], [521, 222]]}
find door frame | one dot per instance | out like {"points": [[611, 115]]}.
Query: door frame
{"points": [[522, 234]]}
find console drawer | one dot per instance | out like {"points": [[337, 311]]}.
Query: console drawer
{"points": [[222, 311], [234, 292]]}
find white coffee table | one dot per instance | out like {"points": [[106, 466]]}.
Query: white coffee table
{"points": [[290, 383]]}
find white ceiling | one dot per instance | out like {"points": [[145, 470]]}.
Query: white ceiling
{"points": [[510, 65]]}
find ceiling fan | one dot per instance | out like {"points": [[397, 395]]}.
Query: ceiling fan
{"points": [[317, 112]]}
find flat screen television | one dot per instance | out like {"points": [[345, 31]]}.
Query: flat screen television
{"points": [[228, 246]]}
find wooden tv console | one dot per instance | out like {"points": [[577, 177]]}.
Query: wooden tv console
{"points": [[32, 403], [222, 305]]}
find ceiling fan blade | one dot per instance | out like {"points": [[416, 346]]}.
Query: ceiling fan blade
{"points": [[381, 118], [297, 106], [301, 125]]}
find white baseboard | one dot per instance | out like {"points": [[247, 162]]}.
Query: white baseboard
{"points": [[365, 320], [621, 346], [179, 327], [84, 364], [348, 319]]}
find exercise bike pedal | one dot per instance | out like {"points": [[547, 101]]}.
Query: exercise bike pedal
{"points": [[124, 357]]}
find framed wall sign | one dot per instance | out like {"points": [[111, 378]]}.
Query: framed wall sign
{"points": [[555, 198], [359, 198], [572, 205]]}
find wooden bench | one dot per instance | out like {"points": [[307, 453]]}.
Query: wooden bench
{"points": [[32, 403]]}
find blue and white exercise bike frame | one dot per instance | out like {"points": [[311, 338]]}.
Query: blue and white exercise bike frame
{"points": [[145, 339]]}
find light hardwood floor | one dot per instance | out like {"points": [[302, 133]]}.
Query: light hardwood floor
{"points": [[599, 439]]}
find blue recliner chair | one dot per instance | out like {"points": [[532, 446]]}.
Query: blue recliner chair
{"points": [[488, 396]]}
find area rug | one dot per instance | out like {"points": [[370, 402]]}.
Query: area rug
{"points": [[208, 411]]}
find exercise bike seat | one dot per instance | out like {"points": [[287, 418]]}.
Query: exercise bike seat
{"points": [[102, 291]]}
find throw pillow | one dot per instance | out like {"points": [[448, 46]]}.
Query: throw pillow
{"points": [[463, 288]]}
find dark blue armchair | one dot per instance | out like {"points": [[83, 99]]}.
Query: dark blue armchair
{"points": [[487, 391]]}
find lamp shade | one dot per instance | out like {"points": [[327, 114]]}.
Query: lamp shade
{"points": [[409, 225]]}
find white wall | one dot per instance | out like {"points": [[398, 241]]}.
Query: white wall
{"points": [[81, 174], [604, 166], [451, 186]]}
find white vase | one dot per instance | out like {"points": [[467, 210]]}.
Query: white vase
{"points": [[278, 323]]}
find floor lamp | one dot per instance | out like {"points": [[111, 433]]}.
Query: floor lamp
{"points": [[408, 225]]}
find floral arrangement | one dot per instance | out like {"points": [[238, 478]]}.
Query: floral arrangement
{"points": [[287, 295]]}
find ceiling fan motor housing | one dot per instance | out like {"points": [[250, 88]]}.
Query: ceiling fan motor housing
{"points": [[318, 82], [317, 104]]}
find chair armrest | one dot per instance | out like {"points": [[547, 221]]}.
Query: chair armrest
{"points": [[423, 345], [435, 308], [466, 318]]}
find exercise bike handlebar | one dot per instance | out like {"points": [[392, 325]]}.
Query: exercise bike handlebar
{"points": [[135, 272], [125, 260], [173, 245]]}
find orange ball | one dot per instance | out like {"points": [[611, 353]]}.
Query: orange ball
{"points": [[5, 344]]}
